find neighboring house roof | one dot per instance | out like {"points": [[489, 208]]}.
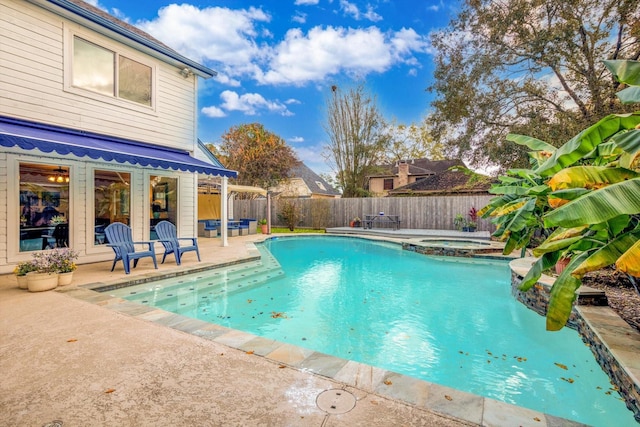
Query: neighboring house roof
{"points": [[454, 180], [315, 183], [418, 167], [99, 20]]}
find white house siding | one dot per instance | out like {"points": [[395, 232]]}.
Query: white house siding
{"points": [[32, 87], [32, 83]]}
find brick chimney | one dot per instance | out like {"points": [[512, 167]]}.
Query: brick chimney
{"points": [[403, 173]]}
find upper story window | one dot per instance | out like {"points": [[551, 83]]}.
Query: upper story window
{"points": [[106, 72], [388, 184]]}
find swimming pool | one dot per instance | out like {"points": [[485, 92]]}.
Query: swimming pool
{"points": [[451, 322]]}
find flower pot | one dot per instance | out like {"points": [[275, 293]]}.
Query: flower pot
{"points": [[264, 228], [38, 282], [65, 278], [352, 224], [22, 281]]}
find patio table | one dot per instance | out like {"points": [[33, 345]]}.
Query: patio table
{"points": [[382, 220]]}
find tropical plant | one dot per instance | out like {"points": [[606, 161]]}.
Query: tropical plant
{"points": [[262, 221], [459, 222], [587, 195]]}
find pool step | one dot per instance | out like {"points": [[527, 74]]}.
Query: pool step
{"points": [[219, 280]]}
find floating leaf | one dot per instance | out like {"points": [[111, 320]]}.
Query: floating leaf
{"points": [[249, 301], [278, 315], [560, 365]]}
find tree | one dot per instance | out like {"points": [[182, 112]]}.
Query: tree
{"points": [[413, 142], [530, 67], [357, 138], [262, 158]]}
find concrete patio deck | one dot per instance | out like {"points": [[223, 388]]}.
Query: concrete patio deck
{"points": [[84, 358]]}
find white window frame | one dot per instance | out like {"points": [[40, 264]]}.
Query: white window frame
{"points": [[91, 247], [13, 195], [119, 50]]}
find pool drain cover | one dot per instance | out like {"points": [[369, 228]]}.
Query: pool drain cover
{"points": [[336, 401]]}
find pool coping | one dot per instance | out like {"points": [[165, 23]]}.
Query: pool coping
{"points": [[419, 393]]}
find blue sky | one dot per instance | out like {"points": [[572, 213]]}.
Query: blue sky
{"points": [[277, 59]]}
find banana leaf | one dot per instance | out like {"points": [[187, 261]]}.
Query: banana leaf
{"points": [[563, 294], [569, 193], [598, 206], [522, 216], [629, 95], [532, 143], [629, 262], [543, 263], [555, 246], [608, 254], [586, 141], [509, 207], [624, 71], [628, 141], [589, 177]]}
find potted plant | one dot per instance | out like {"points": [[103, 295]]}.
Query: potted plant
{"points": [[263, 226], [45, 276], [62, 261], [459, 222], [472, 224], [21, 271]]}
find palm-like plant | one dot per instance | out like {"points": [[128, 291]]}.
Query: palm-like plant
{"points": [[585, 194]]}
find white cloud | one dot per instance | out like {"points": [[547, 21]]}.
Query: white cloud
{"points": [[351, 9], [322, 52], [292, 101], [299, 18], [306, 2], [211, 34], [251, 104], [296, 139], [214, 112], [234, 43]]}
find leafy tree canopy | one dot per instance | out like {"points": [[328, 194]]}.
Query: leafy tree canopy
{"points": [[262, 158], [413, 141], [531, 67]]}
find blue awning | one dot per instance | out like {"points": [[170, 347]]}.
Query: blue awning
{"points": [[47, 138]]}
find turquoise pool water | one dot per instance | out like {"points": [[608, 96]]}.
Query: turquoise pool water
{"points": [[449, 321]]}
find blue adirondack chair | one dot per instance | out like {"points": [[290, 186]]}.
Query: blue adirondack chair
{"points": [[168, 236], [119, 239]]}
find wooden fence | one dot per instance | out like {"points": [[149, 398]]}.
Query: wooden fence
{"points": [[435, 213]]}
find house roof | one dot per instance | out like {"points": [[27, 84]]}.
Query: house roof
{"points": [[315, 183], [454, 180], [418, 167], [110, 26]]}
